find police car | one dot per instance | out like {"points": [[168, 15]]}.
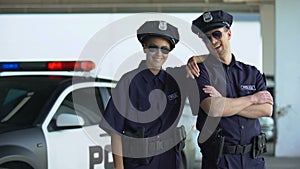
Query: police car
{"points": [[49, 117]]}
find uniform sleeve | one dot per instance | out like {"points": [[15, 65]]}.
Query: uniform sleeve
{"points": [[202, 80], [112, 120], [113, 117], [188, 87], [179, 74], [260, 81]]}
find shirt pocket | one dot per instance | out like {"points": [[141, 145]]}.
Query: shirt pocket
{"points": [[246, 89], [173, 98], [140, 103]]}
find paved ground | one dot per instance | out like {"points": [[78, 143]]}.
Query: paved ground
{"points": [[280, 162], [273, 162]]}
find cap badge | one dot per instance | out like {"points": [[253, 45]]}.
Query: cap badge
{"points": [[162, 25], [207, 17], [226, 23]]}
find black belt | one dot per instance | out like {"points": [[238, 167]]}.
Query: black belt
{"points": [[237, 149], [160, 144], [153, 145]]}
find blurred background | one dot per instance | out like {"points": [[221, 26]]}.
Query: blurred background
{"points": [[264, 35]]}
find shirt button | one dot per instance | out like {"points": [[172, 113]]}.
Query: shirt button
{"points": [[242, 127]]}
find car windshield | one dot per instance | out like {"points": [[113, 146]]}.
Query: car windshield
{"points": [[22, 98]]}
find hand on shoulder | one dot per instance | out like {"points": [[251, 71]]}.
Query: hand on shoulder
{"points": [[192, 67]]}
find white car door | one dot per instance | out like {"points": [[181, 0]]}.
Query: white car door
{"points": [[74, 140]]}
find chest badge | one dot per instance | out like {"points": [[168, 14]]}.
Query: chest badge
{"points": [[173, 96], [248, 87]]}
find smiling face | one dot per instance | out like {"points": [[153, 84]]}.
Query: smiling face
{"points": [[157, 51], [219, 39]]}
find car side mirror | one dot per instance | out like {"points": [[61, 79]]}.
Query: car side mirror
{"points": [[69, 121]]}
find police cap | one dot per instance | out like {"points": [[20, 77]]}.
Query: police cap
{"points": [[158, 29], [211, 20]]}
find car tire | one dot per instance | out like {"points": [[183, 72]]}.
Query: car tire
{"points": [[15, 165]]}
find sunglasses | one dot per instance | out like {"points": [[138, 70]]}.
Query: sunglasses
{"points": [[154, 49], [216, 34]]}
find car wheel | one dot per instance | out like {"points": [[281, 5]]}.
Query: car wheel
{"points": [[15, 165]]}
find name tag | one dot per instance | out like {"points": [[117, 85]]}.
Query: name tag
{"points": [[173, 96], [248, 87]]}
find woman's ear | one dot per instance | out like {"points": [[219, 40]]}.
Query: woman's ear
{"points": [[144, 48]]}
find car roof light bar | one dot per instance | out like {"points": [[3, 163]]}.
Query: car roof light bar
{"points": [[48, 66]]}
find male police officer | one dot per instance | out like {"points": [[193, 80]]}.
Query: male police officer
{"points": [[236, 141], [143, 126]]}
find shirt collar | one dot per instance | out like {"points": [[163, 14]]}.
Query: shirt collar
{"points": [[214, 61], [148, 75], [161, 76], [235, 63]]}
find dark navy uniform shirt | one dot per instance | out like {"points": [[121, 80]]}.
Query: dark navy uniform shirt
{"points": [[132, 94], [232, 81]]}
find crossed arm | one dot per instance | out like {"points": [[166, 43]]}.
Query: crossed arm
{"points": [[252, 106], [257, 105]]}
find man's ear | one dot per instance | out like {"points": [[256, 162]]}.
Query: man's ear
{"points": [[229, 34]]}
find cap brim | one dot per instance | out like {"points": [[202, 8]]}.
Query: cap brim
{"points": [[171, 41]]}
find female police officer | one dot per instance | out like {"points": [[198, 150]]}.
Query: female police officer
{"points": [[135, 112]]}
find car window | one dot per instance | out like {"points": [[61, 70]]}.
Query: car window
{"points": [[88, 103], [22, 98], [105, 93], [13, 101]]}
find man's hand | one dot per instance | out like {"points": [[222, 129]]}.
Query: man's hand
{"points": [[251, 106], [262, 97], [257, 98], [192, 67], [211, 91]]}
